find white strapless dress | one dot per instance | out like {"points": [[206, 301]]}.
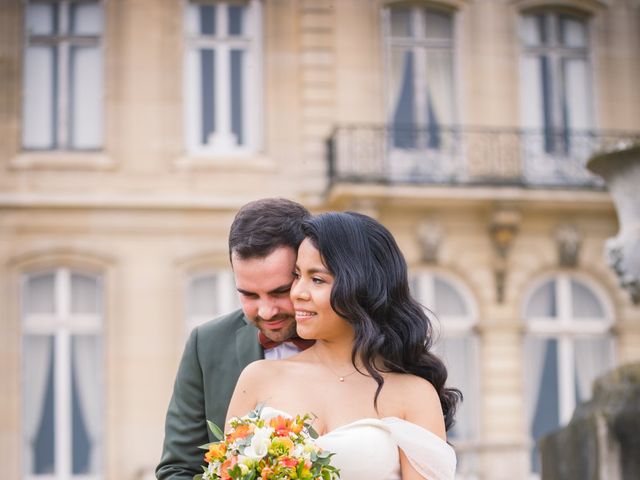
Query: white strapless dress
{"points": [[368, 449]]}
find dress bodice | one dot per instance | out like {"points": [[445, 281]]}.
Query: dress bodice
{"points": [[368, 448]]}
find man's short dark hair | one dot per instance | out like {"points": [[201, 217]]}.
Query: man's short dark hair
{"points": [[263, 225]]}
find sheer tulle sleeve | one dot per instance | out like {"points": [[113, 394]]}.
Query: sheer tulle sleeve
{"points": [[432, 457]]}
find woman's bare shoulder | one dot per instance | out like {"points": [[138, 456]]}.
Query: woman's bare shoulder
{"points": [[259, 369], [414, 399]]}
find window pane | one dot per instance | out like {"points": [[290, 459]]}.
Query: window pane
{"points": [[545, 415], [403, 98], [237, 93], [584, 303], [41, 18], [401, 22], [439, 86], [86, 18], [39, 295], [577, 114], [593, 357], [85, 294], [202, 296], [39, 407], [573, 32], [531, 85], [460, 357], [237, 18], [85, 96], [207, 19], [533, 30], [40, 86], [207, 82], [438, 25], [543, 301], [86, 403], [448, 302]]}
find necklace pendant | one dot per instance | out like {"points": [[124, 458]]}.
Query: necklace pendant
{"points": [[341, 379]]}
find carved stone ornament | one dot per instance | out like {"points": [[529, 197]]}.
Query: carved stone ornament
{"points": [[429, 236], [568, 242], [503, 229]]}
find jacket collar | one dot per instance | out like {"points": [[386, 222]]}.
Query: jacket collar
{"points": [[247, 347]]}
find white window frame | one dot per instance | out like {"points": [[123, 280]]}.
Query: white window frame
{"points": [[252, 43], [62, 325], [565, 330], [418, 44], [226, 293], [64, 42], [556, 52], [441, 163]]}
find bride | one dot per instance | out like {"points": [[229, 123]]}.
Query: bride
{"points": [[377, 390]]}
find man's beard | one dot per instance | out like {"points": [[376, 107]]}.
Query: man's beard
{"points": [[278, 335]]}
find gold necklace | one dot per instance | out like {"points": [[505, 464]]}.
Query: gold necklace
{"points": [[340, 377]]}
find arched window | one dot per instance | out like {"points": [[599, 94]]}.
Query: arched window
{"points": [[568, 344], [62, 365], [455, 319], [209, 295]]}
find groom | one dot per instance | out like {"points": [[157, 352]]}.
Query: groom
{"points": [[263, 245]]}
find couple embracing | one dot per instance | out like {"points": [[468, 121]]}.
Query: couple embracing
{"points": [[327, 326]]}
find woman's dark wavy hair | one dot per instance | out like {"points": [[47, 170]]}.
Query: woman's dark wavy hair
{"points": [[371, 291]]}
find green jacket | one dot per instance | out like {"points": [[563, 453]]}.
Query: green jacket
{"points": [[214, 356]]}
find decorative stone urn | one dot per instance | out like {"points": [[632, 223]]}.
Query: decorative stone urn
{"points": [[621, 172]]}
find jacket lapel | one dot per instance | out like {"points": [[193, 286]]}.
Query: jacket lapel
{"points": [[247, 347]]}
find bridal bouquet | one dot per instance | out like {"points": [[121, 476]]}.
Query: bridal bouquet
{"points": [[267, 447]]}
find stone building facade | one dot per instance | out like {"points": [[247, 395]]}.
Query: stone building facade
{"points": [[132, 131]]}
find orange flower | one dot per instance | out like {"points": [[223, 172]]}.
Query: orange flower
{"points": [[288, 462], [216, 451], [283, 426], [228, 464], [241, 431], [266, 471]]}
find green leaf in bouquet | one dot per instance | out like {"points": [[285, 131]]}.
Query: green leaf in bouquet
{"points": [[215, 430], [250, 476], [206, 446], [197, 477], [235, 472], [312, 432], [325, 455], [255, 413]]}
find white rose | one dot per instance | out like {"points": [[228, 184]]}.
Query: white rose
{"points": [[259, 443]]}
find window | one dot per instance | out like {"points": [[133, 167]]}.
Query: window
{"points": [[420, 48], [222, 86], [458, 347], [555, 87], [62, 375], [568, 344], [210, 295], [62, 76]]}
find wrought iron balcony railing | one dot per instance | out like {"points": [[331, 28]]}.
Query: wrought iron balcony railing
{"points": [[463, 155]]}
